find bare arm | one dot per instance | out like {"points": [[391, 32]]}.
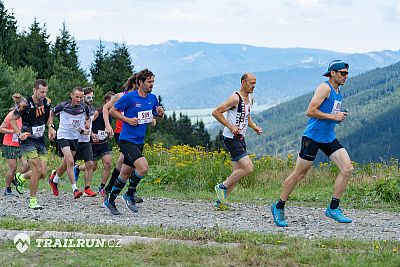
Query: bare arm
{"points": [[4, 128], [254, 126], [232, 102], [52, 132], [118, 115], [106, 113], [321, 93]]}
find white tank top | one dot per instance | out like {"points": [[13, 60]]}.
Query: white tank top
{"points": [[238, 117]]}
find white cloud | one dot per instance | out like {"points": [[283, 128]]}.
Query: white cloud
{"points": [[191, 58], [398, 7], [304, 3], [176, 14]]}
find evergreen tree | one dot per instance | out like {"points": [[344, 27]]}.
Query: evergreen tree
{"points": [[8, 36], [35, 50]]}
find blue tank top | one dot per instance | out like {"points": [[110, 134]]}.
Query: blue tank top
{"points": [[323, 131]]}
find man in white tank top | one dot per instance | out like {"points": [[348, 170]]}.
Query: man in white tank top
{"points": [[237, 108]]}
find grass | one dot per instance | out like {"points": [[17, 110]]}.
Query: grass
{"points": [[255, 249]]}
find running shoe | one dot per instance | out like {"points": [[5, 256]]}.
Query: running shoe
{"points": [[8, 193], [337, 215], [76, 172], [77, 193], [34, 205], [89, 193], [279, 216], [221, 207], [137, 198], [53, 185], [130, 203], [221, 194], [111, 206], [19, 182]]}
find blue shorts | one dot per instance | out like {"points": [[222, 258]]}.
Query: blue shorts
{"points": [[236, 146]]}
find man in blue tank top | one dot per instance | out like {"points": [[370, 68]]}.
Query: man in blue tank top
{"points": [[325, 112]]}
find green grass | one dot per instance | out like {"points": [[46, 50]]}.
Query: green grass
{"points": [[255, 249]]}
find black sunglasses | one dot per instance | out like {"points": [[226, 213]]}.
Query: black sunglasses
{"points": [[343, 73]]}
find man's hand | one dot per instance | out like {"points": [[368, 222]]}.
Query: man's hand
{"points": [[52, 133], [23, 136], [109, 131], [258, 130], [95, 138], [133, 121], [160, 111], [233, 128], [340, 116], [153, 122]]}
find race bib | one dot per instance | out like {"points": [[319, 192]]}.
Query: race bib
{"points": [[145, 116], [337, 105], [38, 131], [101, 135], [15, 138], [74, 123]]}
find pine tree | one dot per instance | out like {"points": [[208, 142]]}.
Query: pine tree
{"points": [[8, 36], [35, 50]]}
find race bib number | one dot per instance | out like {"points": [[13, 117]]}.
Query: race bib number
{"points": [[101, 135], [38, 131], [337, 105], [75, 123], [145, 116], [15, 138]]}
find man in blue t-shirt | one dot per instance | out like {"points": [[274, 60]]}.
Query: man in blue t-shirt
{"points": [[136, 109], [325, 111]]}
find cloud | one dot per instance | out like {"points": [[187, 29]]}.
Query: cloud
{"points": [[304, 3], [176, 14], [398, 8]]}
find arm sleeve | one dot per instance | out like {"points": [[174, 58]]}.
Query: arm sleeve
{"points": [[60, 107]]}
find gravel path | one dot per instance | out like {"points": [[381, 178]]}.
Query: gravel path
{"points": [[304, 222]]}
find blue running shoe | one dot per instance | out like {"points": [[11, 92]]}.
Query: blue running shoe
{"points": [[337, 215], [130, 203], [76, 172], [221, 194], [279, 216], [111, 206]]}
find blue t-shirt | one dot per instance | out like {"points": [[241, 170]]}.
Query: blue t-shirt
{"points": [[133, 105], [323, 131]]}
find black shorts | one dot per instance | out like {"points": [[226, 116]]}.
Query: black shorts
{"points": [[84, 152], [131, 152], [99, 150], [73, 144], [309, 148], [116, 137], [236, 146]]}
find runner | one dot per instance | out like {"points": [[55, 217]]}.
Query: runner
{"points": [[139, 107], [130, 85], [34, 113], [100, 147], [72, 113], [12, 151], [84, 151], [325, 112], [237, 120]]}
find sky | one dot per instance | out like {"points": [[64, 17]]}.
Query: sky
{"points": [[338, 25]]}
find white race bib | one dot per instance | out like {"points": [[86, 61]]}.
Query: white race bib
{"points": [[74, 123], [15, 138], [38, 131], [145, 116], [337, 105], [101, 135]]}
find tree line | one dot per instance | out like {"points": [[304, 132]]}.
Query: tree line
{"points": [[29, 55]]}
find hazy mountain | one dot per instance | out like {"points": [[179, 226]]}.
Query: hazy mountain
{"points": [[200, 75]]}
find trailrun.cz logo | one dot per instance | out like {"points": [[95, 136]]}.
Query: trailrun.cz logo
{"points": [[22, 242]]}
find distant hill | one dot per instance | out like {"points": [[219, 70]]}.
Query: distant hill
{"points": [[192, 74], [370, 133]]}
